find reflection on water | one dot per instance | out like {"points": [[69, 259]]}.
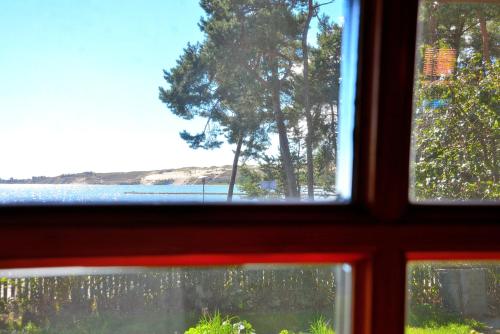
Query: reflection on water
{"points": [[88, 194], [125, 194]]}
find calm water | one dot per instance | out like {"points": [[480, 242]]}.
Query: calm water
{"points": [[101, 194]]}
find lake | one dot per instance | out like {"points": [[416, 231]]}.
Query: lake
{"points": [[102, 194], [19, 194]]}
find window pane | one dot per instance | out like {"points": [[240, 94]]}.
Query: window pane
{"points": [[167, 101], [456, 121], [247, 299], [453, 297]]}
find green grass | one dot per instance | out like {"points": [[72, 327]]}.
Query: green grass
{"points": [[109, 324], [447, 329], [430, 319], [274, 322], [320, 326], [218, 324], [426, 321], [270, 322]]}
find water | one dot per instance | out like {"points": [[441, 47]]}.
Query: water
{"points": [[102, 194]]}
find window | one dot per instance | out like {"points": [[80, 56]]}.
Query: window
{"points": [[453, 296], [377, 234], [175, 107], [234, 299], [455, 124]]}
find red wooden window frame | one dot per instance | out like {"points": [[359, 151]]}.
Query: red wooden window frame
{"points": [[377, 233]]}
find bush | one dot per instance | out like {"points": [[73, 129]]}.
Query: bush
{"points": [[320, 326], [219, 325], [434, 317], [428, 315]]}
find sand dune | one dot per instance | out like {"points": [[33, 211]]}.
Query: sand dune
{"points": [[179, 176]]}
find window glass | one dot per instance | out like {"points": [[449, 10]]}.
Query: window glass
{"points": [[234, 300], [456, 121], [453, 297], [176, 101]]}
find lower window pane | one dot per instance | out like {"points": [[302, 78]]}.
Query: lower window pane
{"points": [[265, 299], [453, 297]]}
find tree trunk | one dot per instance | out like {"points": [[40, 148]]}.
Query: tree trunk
{"points": [[234, 169], [457, 39], [485, 37], [307, 106], [286, 157]]}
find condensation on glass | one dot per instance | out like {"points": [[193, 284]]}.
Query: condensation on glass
{"points": [[453, 297], [456, 118], [246, 299], [144, 102]]}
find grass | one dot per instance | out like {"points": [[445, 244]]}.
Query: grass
{"points": [[274, 322], [176, 322], [218, 324], [430, 319], [446, 329], [320, 326], [423, 320], [108, 324]]}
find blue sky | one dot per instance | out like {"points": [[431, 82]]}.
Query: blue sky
{"points": [[79, 86]]}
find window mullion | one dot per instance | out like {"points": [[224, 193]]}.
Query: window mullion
{"points": [[390, 172], [389, 292]]}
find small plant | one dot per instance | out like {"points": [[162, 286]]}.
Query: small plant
{"points": [[428, 315], [320, 326], [477, 325], [31, 328], [217, 324]]}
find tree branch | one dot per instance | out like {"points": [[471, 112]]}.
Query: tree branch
{"points": [[254, 73], [322, 4]]}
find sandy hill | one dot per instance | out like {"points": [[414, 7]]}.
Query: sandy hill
{"points": [[179, 176]]}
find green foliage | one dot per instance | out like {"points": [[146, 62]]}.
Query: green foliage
{"points": [[31, 328], [457, 123], [324, 169], [456, 141], [108, 323], [420, 290], [242, 80], [426, 311], [320, 326], [428, 315], [433, 319], [250, 179], [448, 329], [217, 324], [249, 182], [436, 319], [296, 322]]}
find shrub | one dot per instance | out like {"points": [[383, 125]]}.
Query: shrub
{"points": [[216, 324], [320, 326]]}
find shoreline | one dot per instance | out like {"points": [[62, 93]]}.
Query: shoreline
{"points": [[214, 175]]}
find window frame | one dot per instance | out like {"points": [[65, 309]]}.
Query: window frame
{"points": [[378, 232]]}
